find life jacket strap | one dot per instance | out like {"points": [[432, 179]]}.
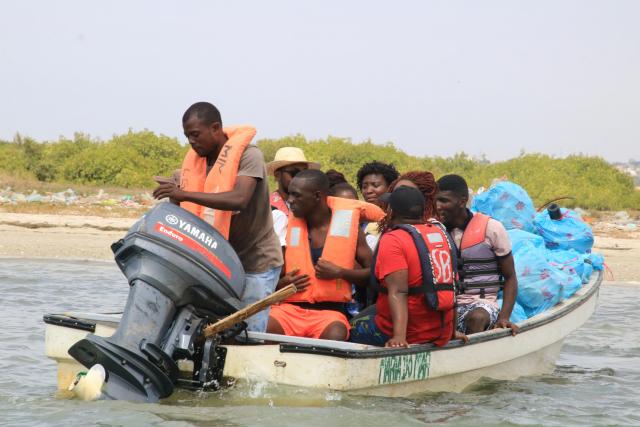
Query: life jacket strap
{"points": [[420, 290], [483, 285], [474, 273], [428, 287], [467, 261]]}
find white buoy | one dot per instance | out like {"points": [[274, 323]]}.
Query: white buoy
{"points": [[88, 385]]}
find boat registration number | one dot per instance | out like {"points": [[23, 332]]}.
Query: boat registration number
{"points": [[410, 367]]}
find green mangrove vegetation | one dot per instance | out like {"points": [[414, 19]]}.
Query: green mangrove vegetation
{"points": [[131, 160]]}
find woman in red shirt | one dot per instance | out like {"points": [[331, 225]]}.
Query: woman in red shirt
{"points": [[402, 318]]}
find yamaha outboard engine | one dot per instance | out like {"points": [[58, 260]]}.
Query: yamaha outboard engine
{"points": [[183, 274]]}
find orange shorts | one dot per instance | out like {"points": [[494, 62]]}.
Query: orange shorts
{"points": [[301, 322]]}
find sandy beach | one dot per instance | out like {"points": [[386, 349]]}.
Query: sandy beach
{"points": [[60, 236], [90, 238]]}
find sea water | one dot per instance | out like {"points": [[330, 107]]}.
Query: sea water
{"points": [[596, 380]]}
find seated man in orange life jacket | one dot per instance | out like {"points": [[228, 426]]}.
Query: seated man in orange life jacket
{"points": [[324, 240]]}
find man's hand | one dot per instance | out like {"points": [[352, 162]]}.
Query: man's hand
{"points": [[397, 342], [327, 270], [457, 335], [301, 281], [505, 323], [170, 190]]}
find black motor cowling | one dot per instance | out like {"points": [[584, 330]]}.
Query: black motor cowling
{"points": [[182, 272]]}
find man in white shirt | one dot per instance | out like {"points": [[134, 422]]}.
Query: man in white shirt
{"points": [[288, 162]]}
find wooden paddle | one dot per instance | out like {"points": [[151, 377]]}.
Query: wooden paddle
{"points": [[249, 310]]}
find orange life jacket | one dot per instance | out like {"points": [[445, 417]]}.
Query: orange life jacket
{"points": [[221, 177], [475, 231], [339, 248]]}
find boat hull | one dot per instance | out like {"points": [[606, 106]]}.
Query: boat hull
{"points": [[532, 352], [361, 369]]}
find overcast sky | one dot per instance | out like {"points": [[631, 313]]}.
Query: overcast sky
{"points": [[435, 78]]}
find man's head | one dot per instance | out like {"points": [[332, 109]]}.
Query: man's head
{"points": [[202, 126], [452, 197], [288, 162], [308, 192], [406, 205], [285, 175]]}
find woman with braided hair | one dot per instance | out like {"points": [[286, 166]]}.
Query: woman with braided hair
{"points": [[423, 181]]}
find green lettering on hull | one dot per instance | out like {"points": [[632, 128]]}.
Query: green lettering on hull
{"points": [[410, 367]]}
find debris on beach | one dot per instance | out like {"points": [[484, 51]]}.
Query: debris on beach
{"points": [[70, 197], [619, 221]]}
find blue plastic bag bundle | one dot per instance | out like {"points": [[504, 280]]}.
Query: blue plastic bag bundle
{"points": [[572, 264], [517, 314], [568, 232], [540, 286], [569, 261], [596, 260], [552, 258], [587, 271], [508, 203]]}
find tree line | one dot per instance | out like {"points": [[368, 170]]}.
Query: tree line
{"points": [[131, 160]]}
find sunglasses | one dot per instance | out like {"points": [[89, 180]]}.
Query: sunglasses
{"points": [[292, 172]]}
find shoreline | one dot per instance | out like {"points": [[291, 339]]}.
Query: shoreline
{"points": [[60, 236], [89, 238], [606, 280]]}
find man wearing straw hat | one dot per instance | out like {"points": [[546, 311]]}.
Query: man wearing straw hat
{"points": [[288, 162]]}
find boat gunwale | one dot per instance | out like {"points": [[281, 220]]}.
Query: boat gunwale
{"points": [[539, 320], [69, 322], [491, 335]]}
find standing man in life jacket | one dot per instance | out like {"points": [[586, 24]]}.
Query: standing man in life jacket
{"points": [[223, 180], [324, 241], [485, 260], [287, 163], [414, 272]]}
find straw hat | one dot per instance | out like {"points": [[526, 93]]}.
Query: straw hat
{"points": [[288, 156]]}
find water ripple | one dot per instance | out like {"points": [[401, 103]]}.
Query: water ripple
{"points": [[596, 380]]}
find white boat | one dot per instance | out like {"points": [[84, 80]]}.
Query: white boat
{"points": [[362, 369]]}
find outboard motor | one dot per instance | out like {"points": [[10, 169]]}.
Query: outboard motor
{"points": [[183, 274]]}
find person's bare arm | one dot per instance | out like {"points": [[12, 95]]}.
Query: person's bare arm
{"points": [[457, 335], [510, 292], [234, 200], [397, 291], [357, 276]]}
